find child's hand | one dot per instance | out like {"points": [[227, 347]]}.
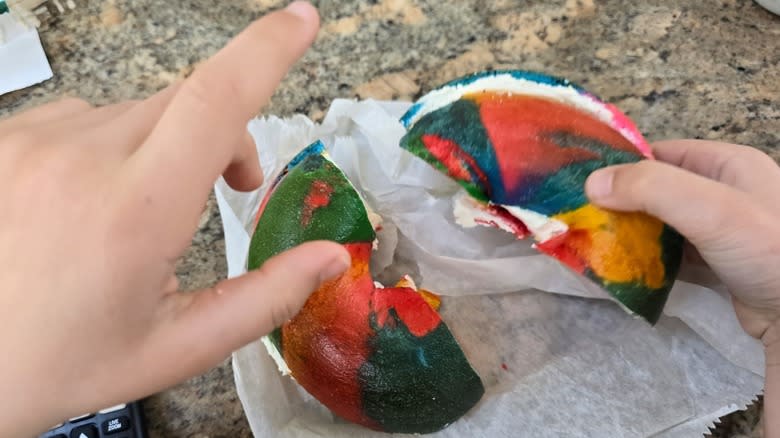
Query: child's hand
{"points": [[97, 205], [726, 200]]}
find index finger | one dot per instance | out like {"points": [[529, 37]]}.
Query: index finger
{"points": [[200, 132]]}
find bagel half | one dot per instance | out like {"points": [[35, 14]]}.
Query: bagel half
{"points": [[522, 145], [378, 357]]}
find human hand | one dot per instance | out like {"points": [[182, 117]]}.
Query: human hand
{"points": [[725, 199], [97, 206]]}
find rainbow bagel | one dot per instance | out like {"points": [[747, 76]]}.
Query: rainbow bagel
{"points": [[378, 357], [522, 145]]}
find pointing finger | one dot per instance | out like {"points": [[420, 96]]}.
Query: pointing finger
{"points": [[200, 133]]}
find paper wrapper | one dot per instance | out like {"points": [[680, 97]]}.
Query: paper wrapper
{"points": [[22, 59], [557, 357]]}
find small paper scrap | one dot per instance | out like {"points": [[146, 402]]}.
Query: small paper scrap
{"points": [[22, 60]]}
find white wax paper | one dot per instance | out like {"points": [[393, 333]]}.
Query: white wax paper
{"points": [[556, 356]]}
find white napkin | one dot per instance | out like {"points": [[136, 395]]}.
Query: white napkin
{"points": [[22, 60]]}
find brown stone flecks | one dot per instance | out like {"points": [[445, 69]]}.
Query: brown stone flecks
{"points": [[263, 5], [534, 30], [405, 10], [317, 115], [344, 26], [580, 8], [402, 11], [169, 77], [654, 25], [110, 15], [478, 57], [401, 85], [169, 35], [552, 33], [530, 32], [606, 53]]}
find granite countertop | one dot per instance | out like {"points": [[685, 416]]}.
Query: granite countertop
{"points": [[679, 69]]}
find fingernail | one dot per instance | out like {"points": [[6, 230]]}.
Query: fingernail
{"points": [[336, 267], [300, 8], [599, 184]]}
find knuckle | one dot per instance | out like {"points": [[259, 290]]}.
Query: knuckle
{"points": [[21, 139], [205, 97], [749, 157], [744, 161], [34, 173], [639, 176], [281, 284], [281, 313], [74, 103], [199, 95]]}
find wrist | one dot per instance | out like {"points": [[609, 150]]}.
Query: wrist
{"points": [[27, 416], [37, 401], [771, 340]]}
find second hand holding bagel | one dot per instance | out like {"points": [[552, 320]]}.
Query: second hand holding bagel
{"points": [[724, 199]]}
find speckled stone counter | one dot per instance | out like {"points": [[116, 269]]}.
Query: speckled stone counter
{"points": [[680, 69]]}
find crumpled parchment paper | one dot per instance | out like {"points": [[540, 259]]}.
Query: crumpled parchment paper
{"points": [[556, 355]]}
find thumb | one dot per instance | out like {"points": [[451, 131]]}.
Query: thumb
{"points": [[701, 209], [204, 327]]}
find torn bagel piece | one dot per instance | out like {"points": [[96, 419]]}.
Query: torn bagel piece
{"points": [[522, 144], [379, 357]]}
